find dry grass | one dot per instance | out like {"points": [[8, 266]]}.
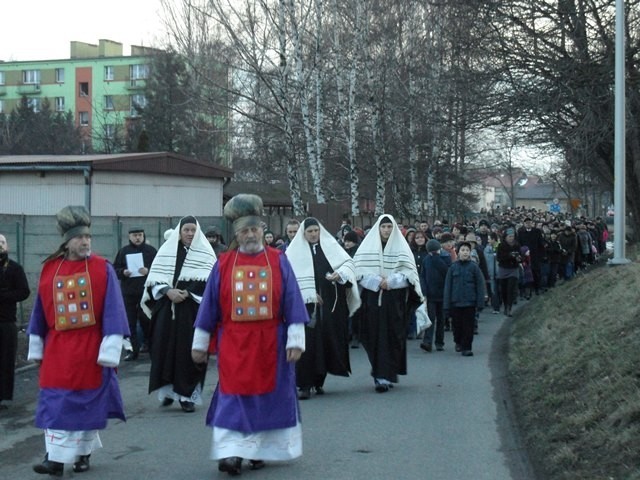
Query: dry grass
{"points": [[574, 369]]}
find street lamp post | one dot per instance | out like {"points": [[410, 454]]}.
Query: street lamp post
{"points": [[619, 224]]}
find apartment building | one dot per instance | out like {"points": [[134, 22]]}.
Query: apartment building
{"points": [[98, 84]]}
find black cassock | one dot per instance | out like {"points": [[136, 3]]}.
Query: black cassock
{"points": [[172, 338], [327, 335], [385, 320]]}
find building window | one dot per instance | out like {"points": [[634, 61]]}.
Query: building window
{"points": [[138, 102], [108, 73], [59, 75], [1, 106], [84, 89], [31, 77], [59, 104], [138, 72], [34, 104], [108, 102], [1, 78], [109, 131], [84, 119]]}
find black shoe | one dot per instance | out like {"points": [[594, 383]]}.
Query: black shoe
{"points": [[130, 356], [230, 465], [304, 394], [144, 348], [256, 464], [49, 467], [319, 391], [439, 348], [187, 406], [475, 330], [426, 347], [382, 387], [167, 401], [82, 465], [458, 347], [467, 353]]}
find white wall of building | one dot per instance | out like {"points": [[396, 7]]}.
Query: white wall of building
{"points": [[112, 193], [148, 195], [35, 193]]}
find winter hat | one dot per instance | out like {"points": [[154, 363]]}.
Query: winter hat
{"points": [[73, 220], [244, 210], [351, 236], [446, 237], [136, 229], [433, 245], [211, 231], [311, 221]]}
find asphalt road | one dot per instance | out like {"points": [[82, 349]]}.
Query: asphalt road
{"points": [[448, 419]]}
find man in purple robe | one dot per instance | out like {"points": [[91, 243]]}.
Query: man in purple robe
{"points": [[253, 310], [75, 335]]}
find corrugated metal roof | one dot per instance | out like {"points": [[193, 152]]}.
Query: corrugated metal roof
{"points": [[155, 162]]}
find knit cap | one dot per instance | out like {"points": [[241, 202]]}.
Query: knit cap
{"points": [[433, 245]]}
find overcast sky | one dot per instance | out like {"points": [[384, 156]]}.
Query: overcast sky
{"points": [[42, 29]]}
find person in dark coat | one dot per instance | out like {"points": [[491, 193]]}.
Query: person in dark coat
{"points": [[14, 288], [351, 242], [508, 274], [532, 237], [172, 296], [132, 265], [464, 295], [432, 276], [390, 293], [215, 239], [569, 243], [326, 276], [554, 254]]}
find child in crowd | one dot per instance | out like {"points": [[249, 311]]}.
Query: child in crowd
{"points": [[526, 273]]}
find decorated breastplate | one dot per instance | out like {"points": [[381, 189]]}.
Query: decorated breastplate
{"points": [[73, 301], [251, 293]]}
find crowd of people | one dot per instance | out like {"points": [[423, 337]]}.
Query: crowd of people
{"points": [[278, 313]]}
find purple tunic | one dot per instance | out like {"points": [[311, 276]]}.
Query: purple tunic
{"points": [[64, 409], [254, 413]]}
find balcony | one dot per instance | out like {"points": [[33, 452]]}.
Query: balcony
{"points": [[136, 84], [29, 89]]}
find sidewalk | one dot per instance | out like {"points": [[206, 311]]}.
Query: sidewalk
{"points": [[448, 419]]}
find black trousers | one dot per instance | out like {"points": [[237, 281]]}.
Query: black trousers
{"points": [[508, 290], [135, 315], [8, 350], [463, 319]]}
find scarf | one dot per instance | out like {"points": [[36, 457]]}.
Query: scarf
{"points": [[396, 257], [299, 254], [197, 265]]}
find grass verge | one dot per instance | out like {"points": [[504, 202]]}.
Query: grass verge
{"points": [[574, 374]]}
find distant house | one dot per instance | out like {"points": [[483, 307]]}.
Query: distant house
{"points": [[157, 184], [531, 191]]}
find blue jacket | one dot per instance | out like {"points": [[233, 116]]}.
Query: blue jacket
{"points": [[464, 286], [432, 275]]}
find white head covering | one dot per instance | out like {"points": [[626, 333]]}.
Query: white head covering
{"points": [[197, 264], [397, 257], [299, 254]]}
